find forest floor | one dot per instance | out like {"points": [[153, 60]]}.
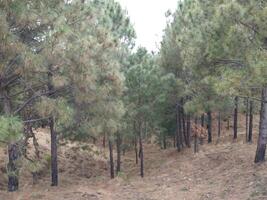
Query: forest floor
{"points": [[222, 170]]}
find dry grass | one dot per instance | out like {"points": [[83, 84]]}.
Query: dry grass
{"points": [[222, 170]]}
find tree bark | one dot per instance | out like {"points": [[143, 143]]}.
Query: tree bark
{"points": [[209, 126], [118, 168], [202, 124], [235, 118], [262, 140], [174, 139], [54, 167], [13, 149], [135, 142], [202, 120], [195, 139], [247, 119], [141, 151], [188, 131], [178, 129], [111, 161], [164, 141], [13, 172], [250, 121], [184, 128]]}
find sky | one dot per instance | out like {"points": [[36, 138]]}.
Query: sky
{"points": [[148, 17]]}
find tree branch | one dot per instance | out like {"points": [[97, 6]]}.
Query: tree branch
{"points": [[36, 120]]}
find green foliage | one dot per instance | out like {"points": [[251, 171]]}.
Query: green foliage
{"points": [[215, 49], [11, 129], [75, 49]]}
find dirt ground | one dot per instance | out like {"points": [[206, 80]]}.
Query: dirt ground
{"points": [[222, 170]]}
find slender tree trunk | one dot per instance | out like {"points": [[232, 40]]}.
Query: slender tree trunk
{"points": [[184, 127], [13, 150], [174, 139], [135, 143], [13, 172], [202, 120], [188, 131], [118, 168], [164, 141], [219, 124], [54, 165], [178, 129], [136, 149], [195, 140], [235, 118], [54, 168], [202, 124], [250, 121], [111, 161], [209, 126], [175, 133], [228, 123], [141, 150], [247, 118], [262, 141]]}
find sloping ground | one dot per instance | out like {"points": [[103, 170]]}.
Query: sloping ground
{"points": [[219, 171]]}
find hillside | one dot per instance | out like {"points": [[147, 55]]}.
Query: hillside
{"points": [[222, 170]]}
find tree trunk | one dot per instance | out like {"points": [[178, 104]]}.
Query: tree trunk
{"points": [[54, 168], [188, 131], [250, 121], [202, 124], [195, 140], [184, 127], [13, 172], [174, 140], [247, 118], [202, 120], [164, 141], [219, 124], [141, 151], [13, 150], [209, 126], [228, 123], [118, 168], [178, 129], [262, 141], [111, 161], [235, 118]]}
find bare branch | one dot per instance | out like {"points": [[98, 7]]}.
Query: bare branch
{"points": [[36, 120]]}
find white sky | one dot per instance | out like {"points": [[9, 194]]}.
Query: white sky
{"points": [[148, 17]]}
